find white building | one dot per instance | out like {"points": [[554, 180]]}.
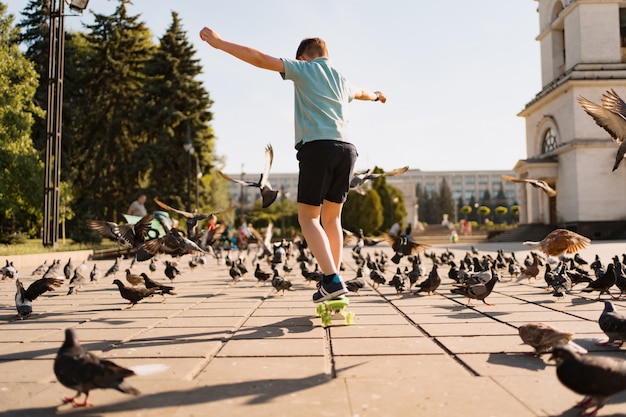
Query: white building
{"points": [[583, 53], [463, 185]]}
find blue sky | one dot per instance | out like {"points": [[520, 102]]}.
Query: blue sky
{"points": [[456, 73]]}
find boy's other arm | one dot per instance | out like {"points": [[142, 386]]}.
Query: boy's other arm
{"points": [[361, 94], [250, 55]]}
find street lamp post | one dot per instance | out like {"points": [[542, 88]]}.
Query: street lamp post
{"points": [[188, 147]]}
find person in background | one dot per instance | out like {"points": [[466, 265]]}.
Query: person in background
{"points": [[137, 207]]}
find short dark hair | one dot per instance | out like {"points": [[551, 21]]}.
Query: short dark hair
{"points": [[312, 47]]}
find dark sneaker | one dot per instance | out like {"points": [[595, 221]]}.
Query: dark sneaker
{"points": [[329, 290]]}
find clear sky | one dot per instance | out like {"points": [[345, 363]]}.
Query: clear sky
{"points": [[456, 73]]}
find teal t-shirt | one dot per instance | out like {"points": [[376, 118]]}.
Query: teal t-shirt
{"points": [[321, 96]]}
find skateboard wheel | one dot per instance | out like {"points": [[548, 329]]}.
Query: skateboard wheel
{"points": [[350, 318]]}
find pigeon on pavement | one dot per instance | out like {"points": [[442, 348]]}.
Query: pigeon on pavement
{"points": [[24, 297], [135, 294], [543, 337], [598, 378], [613, 324], [82, 371]]}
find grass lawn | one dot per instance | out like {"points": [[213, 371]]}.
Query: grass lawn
{"points": [[31, 246]]}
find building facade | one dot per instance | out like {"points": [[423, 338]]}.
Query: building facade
{"points": [[583, 53], [464, 186]]}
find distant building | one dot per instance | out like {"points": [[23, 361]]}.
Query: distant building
{"points": [[463, 184], [583, 53]]}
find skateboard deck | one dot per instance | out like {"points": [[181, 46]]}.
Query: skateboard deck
{"points": [[336, 308]]}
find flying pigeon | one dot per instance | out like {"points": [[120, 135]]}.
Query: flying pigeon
{"points": [[80, 370], [192, 219], [126, 235], [361, 178], [403, 245], [611, 116], [267, 193], [560, 241], [542, 185], [596, 377]]}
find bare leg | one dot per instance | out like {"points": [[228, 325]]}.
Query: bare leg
{"points": [[316, 237], [331, 222]]}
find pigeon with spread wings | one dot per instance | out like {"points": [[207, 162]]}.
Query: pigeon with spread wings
{"points": [[611, 116], [550, 192], [192, 219], [126, 235], [361, 177], [267, 193]]}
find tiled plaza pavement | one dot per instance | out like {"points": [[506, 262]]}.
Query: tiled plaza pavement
{"points": [[243, 350]]}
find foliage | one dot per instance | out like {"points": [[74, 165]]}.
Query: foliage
{"points": [[21, 170], [363, 211]]}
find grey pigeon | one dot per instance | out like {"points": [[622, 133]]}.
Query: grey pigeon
{"points": [[24, 297], [95, 274], [361, 178], [431, 283], [80, 370], [613, 324], [134, 295], [113, 270], [268, 195], [55, 270], [596, 377], [605, 281], [477, 291]]}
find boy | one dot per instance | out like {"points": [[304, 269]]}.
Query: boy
{"points": [[326, 157]]}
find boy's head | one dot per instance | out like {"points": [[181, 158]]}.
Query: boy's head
{"points": [[311, 48]]}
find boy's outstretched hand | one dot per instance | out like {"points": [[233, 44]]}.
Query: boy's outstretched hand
{"points": [[209, 36]]}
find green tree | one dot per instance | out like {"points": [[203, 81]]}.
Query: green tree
{"points": [[363, 211], [21, 170], [392, 201], [175, 110], [446, 202], [105, 169]]}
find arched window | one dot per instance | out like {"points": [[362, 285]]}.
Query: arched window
{"points": [[549, 141]]}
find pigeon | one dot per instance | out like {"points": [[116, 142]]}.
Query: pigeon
{"points": [[192, 219], [261, 275], [153, 265], [598, 378], [280, 284], [126, 235], [173, 243], [268, 195], [542, 185], [133, 279], [78, 279], [603, 282], [431, 283], [24, 297], [171, 271], [397, 281], [114, 268], [476, 291], [81, 370], [620, 277], [531, 271], [8, 270], [361, 178], [355, 284], [403, 245], [68, 268], [543, 337], [613, 324], [150, 283], [377, 278], [611, 117], [560, 241], [40, 270], [135, 294], [55, 270], [235, 273], [95, 274]]}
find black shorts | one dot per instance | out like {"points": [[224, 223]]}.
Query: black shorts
{"points": [[325, 171]]}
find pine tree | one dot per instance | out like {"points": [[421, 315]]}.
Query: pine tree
{"points": [[113, 88], [363, 211], [446, 202], [177, 105]]}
